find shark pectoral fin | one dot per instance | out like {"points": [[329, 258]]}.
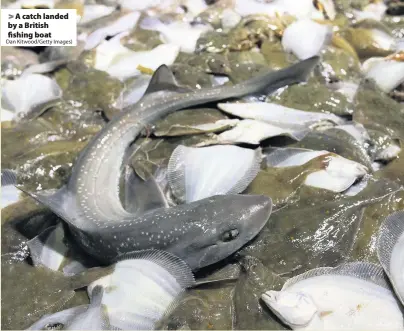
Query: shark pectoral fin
{"points": [[48, 248], [163, 80], [56, 200], [141, 196]]}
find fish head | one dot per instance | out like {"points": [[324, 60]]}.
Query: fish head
{"points": [[229, 222], [295, 309], [340, 166]]}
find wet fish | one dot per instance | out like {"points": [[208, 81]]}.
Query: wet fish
{"points": [[375, 109], [250, 312], [48, 289], [30, 95], [387, 73], [333, 173], [142, 287], [365, 247], [9, 193], [252, 132], [227, 169], [183, 34], [390, 250], [202, 232], [351, 296], [278, 115], [83, 317], [336, 141], [208, 306], [306, 38], [315, 231], [193, 121]]}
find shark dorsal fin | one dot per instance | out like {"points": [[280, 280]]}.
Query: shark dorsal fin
{"points": [[163, 80]]}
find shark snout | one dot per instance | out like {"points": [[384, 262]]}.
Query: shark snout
{"points": [[258, 213]]}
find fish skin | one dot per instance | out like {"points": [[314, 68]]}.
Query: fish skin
{"points": [[193, 232], [90, 201]]}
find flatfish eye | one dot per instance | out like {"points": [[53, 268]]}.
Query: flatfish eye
{"points": [[230, 235]]}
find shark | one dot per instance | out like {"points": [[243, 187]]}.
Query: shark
{"points": [[202, 232]]}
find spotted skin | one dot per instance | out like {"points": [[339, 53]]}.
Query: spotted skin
{"points": [[90, 202]]}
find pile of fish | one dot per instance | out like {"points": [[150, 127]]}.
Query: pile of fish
{"points": [[195, 164]]}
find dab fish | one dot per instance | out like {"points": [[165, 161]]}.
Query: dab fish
{"points": [[142, 287], [390, 250], [197, 173], [351, 296]]}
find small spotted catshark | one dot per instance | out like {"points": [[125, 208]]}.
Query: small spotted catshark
{"points": [[202, 232]]}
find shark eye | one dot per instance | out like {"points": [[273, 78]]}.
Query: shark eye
{"points": [[230, 235]]}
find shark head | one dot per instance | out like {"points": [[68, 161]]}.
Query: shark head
{"points": [[227, 224]]}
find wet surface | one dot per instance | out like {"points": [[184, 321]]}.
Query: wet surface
{"points": [[308, 228]]}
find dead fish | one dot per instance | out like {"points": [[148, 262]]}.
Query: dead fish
{"points": [[182, 34], [336, 173], [139, 290], [54, 249], [250, 312], [124, 23], [198, 173], [207, 306], [313, 97], [393, 170], [252, 132], [143, 287], [314, 231], [91, 204], [289, 170], [306, 38], [336, 141], [193, 121], [375, 109], [370, 38], [388, 73], [150, 155], [46, 67], [348, 297], [365, 248], [278, 115], [84, 317], [30, 95], [14, 60], [390, 247], [121, 62], [9, 193], [51, 290], [92, 12]]}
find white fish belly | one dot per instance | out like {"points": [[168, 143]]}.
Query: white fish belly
{"points": [[397, 266], [348, 303]]}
